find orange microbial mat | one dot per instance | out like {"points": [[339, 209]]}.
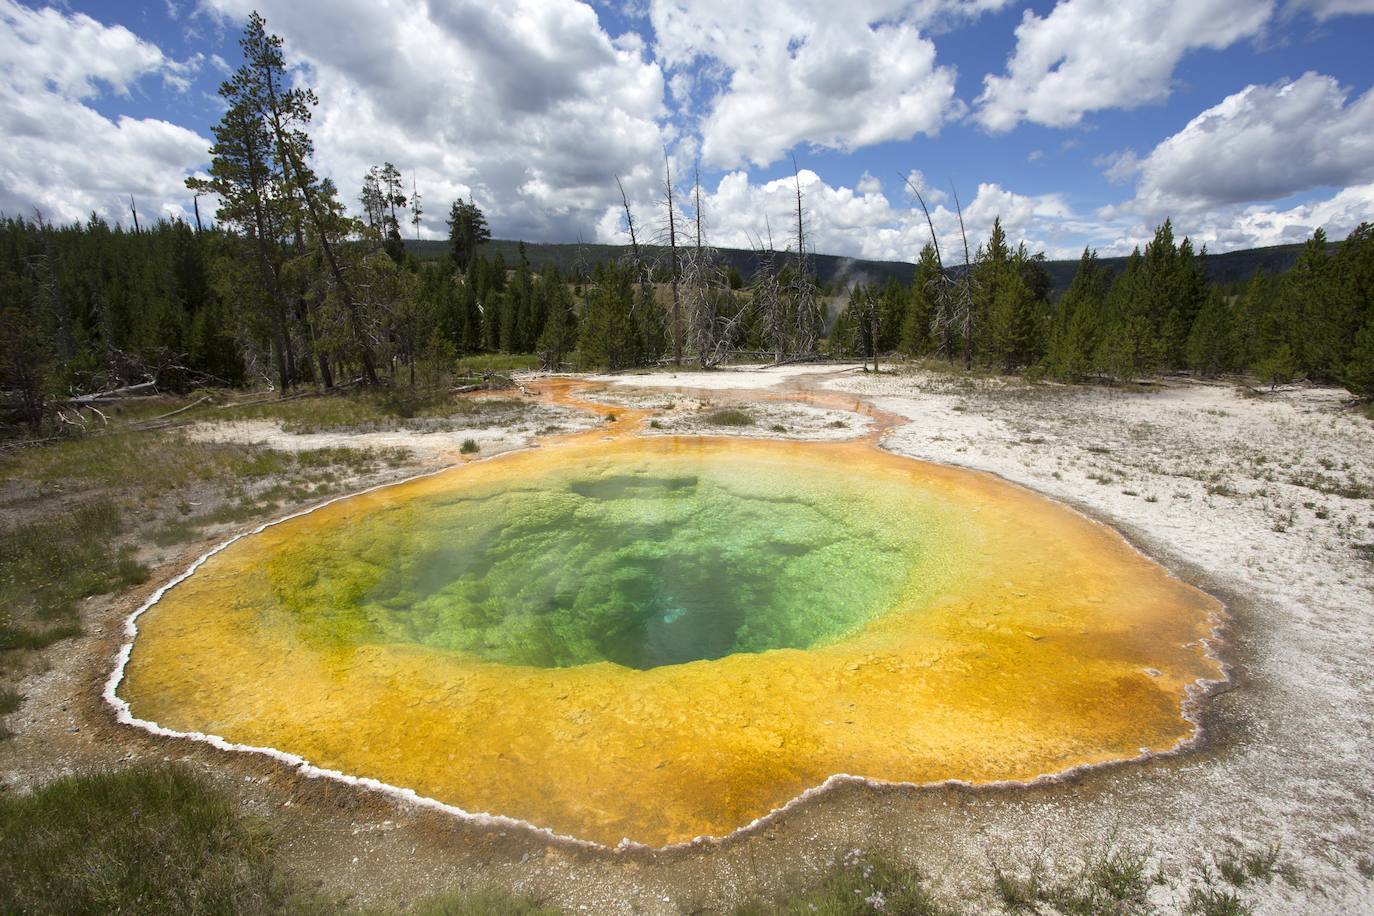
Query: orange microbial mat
{"points": [[657, 639]]}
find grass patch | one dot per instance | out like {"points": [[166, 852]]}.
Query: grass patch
{"points": [[1333, 486], [469, 447], [144, 840], [728, 416], [496, 362], [481, 902], [1112, 880], [386, 409], [161, 840], [48, 565], [144, 464], [86, 500], [860, 884]]}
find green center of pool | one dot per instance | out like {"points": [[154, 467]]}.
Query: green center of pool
{"points": [[641, 563]]}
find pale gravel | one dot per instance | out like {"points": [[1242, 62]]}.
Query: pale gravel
{"points": [[733, 378], [679, 414], [444, 442]]}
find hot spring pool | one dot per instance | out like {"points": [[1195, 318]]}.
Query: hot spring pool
{"points": [[657, 639]]}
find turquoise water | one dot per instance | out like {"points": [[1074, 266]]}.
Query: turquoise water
{"points": [[635, 561]]}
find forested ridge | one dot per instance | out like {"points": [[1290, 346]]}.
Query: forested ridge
{"points": [[287, 289], [837, 271]]}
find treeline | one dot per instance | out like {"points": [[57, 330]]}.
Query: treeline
{"points": [[288, 289], [1315, 321]]}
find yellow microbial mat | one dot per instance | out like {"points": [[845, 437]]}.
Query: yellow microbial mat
{"points": [[657, 639]]}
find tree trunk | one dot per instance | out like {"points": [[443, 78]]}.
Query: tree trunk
{"points": [[290, 161], [269, 280], [672, 245]]}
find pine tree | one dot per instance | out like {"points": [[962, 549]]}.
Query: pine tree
{"points": [[1310, 293], [920, 313], [1211, 342], [1077, 322], [467, 231], [559, 336]]}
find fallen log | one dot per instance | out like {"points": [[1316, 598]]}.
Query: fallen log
{"points": [[141, 390]]}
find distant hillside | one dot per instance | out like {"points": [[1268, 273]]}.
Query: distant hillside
{"points": [[836, 271], [568, 257]]}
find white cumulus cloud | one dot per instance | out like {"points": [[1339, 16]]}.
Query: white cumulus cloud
{"points": [[1089, 55], [1262, 143], [60, 156], [1326, 9], [741, 213], [773, 75], [529, 107]]}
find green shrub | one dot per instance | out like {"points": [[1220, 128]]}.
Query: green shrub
{"points": [[728, 416]]}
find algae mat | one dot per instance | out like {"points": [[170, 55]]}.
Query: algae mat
{"points": [[659, 639]]}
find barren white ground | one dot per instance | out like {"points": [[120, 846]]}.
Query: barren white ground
{"points": [[1269, 498], [427, 440]]}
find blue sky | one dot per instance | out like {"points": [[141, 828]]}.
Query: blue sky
{"points": [[1079, 122]]}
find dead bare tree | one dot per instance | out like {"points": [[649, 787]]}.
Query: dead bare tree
{"points": [[953, 315], [768, 299], [963, 292], [673, 271], [872, 314], [630, 226], [134, 210], [710, 328], [638, 264], [806, 308], [637, 260]]}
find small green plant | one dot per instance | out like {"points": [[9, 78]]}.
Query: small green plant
{"points": [[469, 447], [654, 424], [1262, 865], [1017, 894], [9, 702], [610, 418], [728, 416], [1209, 901], [1233, 870], [778, 428]]}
